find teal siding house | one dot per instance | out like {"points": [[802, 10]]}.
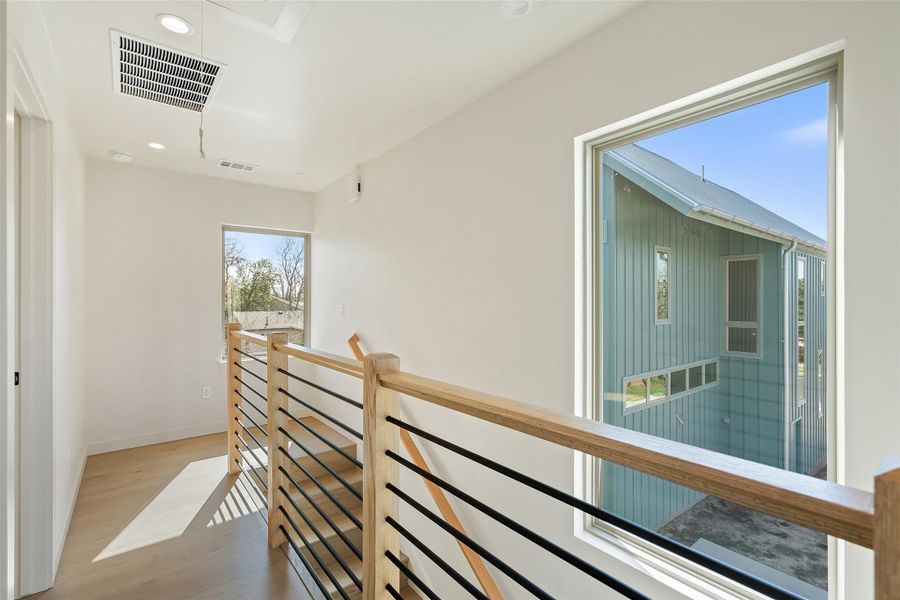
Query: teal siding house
{"points": [[714, 321]]}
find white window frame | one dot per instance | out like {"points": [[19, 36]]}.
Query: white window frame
{"points": [[668, 252], [306, 281], [686, 367], [759, 296], [820, 382], [824, 64]]}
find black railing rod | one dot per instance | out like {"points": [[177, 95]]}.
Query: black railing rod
{"points": [[576, 561], [411, 576], [314, 554], [475, 546], [322, 438], [323, 414], [255, 407], [251, 356], [742, 577], [253, 470], [253, 487], [343, 481], [251, 388], [322, 389], [309, 567], [325, 491], [251, 419], [394, 593], [253, 437], [349, 543], [246, 370], [322, 539], [444, 565]]}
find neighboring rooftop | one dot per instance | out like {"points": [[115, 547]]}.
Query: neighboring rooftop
{"points": [[688, 193]]}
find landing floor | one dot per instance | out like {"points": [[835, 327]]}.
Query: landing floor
{"points": [[167, 521]]}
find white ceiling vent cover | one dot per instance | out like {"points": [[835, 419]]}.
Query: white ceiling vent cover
{"points": [[237, 166], [147, 70]]}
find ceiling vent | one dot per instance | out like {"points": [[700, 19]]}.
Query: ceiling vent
{"points": [[237, 166], [153, 72]]}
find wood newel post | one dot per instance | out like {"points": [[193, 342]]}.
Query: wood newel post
{"points": [[277, 362], [232, 398], [887, 531], [379, 470]]}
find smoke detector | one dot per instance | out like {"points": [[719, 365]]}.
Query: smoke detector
{"points": [[154, 72], [237, 166]]}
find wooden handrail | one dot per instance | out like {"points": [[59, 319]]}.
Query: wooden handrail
{"points": [[837, 510], [249, 336], [332, 361], [437, 494]]}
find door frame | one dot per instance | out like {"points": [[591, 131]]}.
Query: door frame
{"points": [[32, 568]]}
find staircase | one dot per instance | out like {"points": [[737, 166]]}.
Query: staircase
{"points": [[351, 474]]}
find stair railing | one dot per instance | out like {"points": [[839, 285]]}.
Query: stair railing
{"points": [[870, 520], [488, 585]]}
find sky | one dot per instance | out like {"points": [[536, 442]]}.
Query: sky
{"points": [[774, 153], [256, 245]]}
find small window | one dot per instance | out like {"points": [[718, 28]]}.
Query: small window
{"points": [[679, 381], [662, 285], [635, 392], [695, 376], [710, 373], [822, 279], [820, 382], [742, 306], [801, 330], [659, 386]]}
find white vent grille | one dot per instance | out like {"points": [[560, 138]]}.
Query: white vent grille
{"points": [[237, 166], [160, 74]]}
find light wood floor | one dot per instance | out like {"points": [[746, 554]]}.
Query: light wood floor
{"points": [[167, 522]]}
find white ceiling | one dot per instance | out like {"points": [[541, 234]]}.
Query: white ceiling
{"points": [[316, 87]]}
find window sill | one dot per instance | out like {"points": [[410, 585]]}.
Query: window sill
{"points": [[682, 576]]}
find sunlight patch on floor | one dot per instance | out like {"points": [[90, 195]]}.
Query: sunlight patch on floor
{"points": [[168, 515], [239, 502]]}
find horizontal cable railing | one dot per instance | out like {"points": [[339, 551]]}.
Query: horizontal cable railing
{"points": [[313, 497]]}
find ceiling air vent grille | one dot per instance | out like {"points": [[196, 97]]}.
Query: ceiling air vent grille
{"points": [[237, 166], [153, 72]]}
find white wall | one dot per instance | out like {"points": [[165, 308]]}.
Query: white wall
{"points": [[154, 300], [460, 256], [68, 438]]}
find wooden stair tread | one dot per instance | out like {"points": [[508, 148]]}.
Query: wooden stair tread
{"points": [[314, 444]]}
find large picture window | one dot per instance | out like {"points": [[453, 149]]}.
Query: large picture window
{"points": [[742, 305], [702, 322], [265, 279]]}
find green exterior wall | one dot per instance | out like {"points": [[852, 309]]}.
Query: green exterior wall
{"points": [[744, 414]]}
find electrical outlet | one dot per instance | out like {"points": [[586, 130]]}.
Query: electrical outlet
{"points": [[340, 311], [207, 391]]}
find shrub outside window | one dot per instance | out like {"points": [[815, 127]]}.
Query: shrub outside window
{"points": [[662, 285]]}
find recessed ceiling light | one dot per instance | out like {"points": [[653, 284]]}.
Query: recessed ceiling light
{"points": [[120, 156], [516, 9], [175, 24], [156, 146]]}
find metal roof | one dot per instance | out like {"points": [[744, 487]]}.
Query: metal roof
{"points": [[687, 193]]}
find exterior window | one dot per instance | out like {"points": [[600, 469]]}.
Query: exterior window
{"points": [[662, 261], [820, 382], [742, 306], [822, 279], [679, 381], [659, 387], [635, 392], [695, 376], [264, 281], [801, 330], [710, 373]]}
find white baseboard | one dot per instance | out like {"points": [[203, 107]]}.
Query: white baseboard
{"points": [[155, 438], [60, 542]]}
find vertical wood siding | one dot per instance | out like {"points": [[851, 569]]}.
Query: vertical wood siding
{"points": [[750, 391]]}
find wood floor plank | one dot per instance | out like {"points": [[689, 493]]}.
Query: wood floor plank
{"points": [[167, 521]]}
